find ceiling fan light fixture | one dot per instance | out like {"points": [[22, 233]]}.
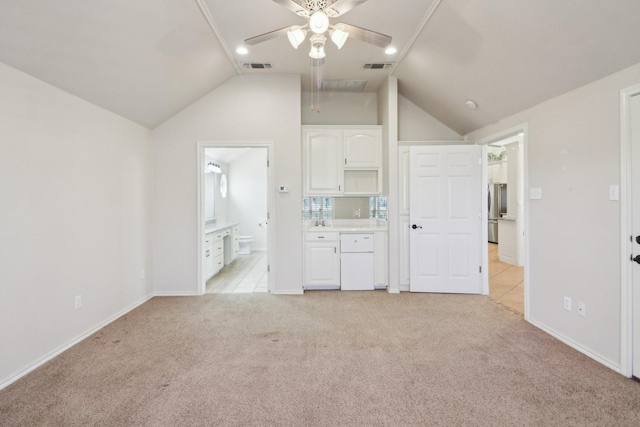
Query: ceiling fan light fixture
{"points": [[317, 46], [338, 35], [317, 53], [319, 22], [296, 36]]}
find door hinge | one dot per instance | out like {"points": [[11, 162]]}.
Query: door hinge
{"points": [[268, 215], [480, 269], [267, 163], [268, 268]]}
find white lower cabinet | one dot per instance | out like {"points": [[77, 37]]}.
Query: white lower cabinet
{"points": [[221, 247], [380, 259], [507, 242], [322, 264], [321, 261], [208, 255]]}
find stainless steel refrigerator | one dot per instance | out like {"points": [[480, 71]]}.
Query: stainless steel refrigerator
{"points": [[497, 208]]}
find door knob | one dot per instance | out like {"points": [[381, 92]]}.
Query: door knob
{"points": [[637, 239], [636, 259], [416, 226]]}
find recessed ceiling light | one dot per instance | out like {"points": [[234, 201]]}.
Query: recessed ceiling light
{"points": [[242, 51], [390, 50], [471, 105]]}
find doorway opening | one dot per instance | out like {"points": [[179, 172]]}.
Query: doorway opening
{"points": [[506, 254], [234, 218]]}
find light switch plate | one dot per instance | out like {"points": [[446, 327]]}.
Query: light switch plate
{"points": [[535, 193], [614, 192]]}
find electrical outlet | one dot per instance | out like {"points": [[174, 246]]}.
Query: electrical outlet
{"points": [[78, 301], [582, 309], [567, 303]]}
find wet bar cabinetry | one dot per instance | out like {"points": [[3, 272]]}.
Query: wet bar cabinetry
{"points": [[342, 160]]}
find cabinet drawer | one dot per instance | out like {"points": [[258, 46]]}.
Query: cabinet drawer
{"points": [[218, 262], [218, 235], [321, 237]]}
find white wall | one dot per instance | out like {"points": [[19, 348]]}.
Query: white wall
{"points": [[75, 196], [574, 155], [247, 108], [248, 195], [414, 124], [341, 108]]}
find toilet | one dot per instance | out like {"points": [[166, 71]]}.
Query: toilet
{"points": [[245, 244]]}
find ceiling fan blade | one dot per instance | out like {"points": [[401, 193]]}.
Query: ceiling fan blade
{"points": [[292, 6], [368, 36], [267, 36], [344, 6]]}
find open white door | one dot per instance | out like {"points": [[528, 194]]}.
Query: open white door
{"points": [[445, 218], [634, 121]]}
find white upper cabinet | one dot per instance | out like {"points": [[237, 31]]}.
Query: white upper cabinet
{"points": [[362, 148], [342, 160], [323, 171]]}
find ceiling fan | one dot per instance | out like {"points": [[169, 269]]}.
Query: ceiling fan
{"points": [[318, 14]]}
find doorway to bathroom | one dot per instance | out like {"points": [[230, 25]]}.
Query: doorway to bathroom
{"points": [[234, 217]]}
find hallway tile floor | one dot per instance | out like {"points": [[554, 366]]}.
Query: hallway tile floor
{"points": [[248, 273], [506, 282]]}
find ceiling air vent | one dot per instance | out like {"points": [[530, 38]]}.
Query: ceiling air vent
{"points": [[342, 85], [378, 66], [257, 65]]}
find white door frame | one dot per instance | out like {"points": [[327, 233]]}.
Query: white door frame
{"points": [[626, 246], [523, 128], [201, 285]]}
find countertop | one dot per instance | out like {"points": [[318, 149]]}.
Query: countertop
{"points": [[218, 227], [349, 225]]}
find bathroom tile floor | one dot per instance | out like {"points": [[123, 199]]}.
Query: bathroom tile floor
{"points": [[506, 282], [248, 273]]}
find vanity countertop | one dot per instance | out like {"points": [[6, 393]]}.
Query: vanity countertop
{"points": [[217, 227]]}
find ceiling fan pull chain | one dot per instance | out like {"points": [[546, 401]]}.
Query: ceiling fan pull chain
{"points": [[311, 74]]}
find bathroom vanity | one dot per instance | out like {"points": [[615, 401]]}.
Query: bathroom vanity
{"points": [[221, 247]]}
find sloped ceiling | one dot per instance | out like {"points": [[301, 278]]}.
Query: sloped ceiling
{"points": [[148, 59]]}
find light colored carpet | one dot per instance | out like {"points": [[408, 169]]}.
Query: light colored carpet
{"points": [[322, 359]]}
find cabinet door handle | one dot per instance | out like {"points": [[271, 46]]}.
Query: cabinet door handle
{"points": [[335, 250], [345, 160], [320, 237]]}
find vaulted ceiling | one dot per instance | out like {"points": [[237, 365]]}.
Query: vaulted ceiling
{"points": [[148, 59]]}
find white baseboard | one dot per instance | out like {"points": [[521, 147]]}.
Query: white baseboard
{"points": [[293, 292], [609, 364], [176, 294], [73, 342], [392, 291]]}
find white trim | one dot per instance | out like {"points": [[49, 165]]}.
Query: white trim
{"points": [[73, 342], [206, 13], [522, 128], [609, 364], [295, 292], [626, 230], [412, 40], [395, 291], [435, 142], [201, 145], [176, 294]]}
